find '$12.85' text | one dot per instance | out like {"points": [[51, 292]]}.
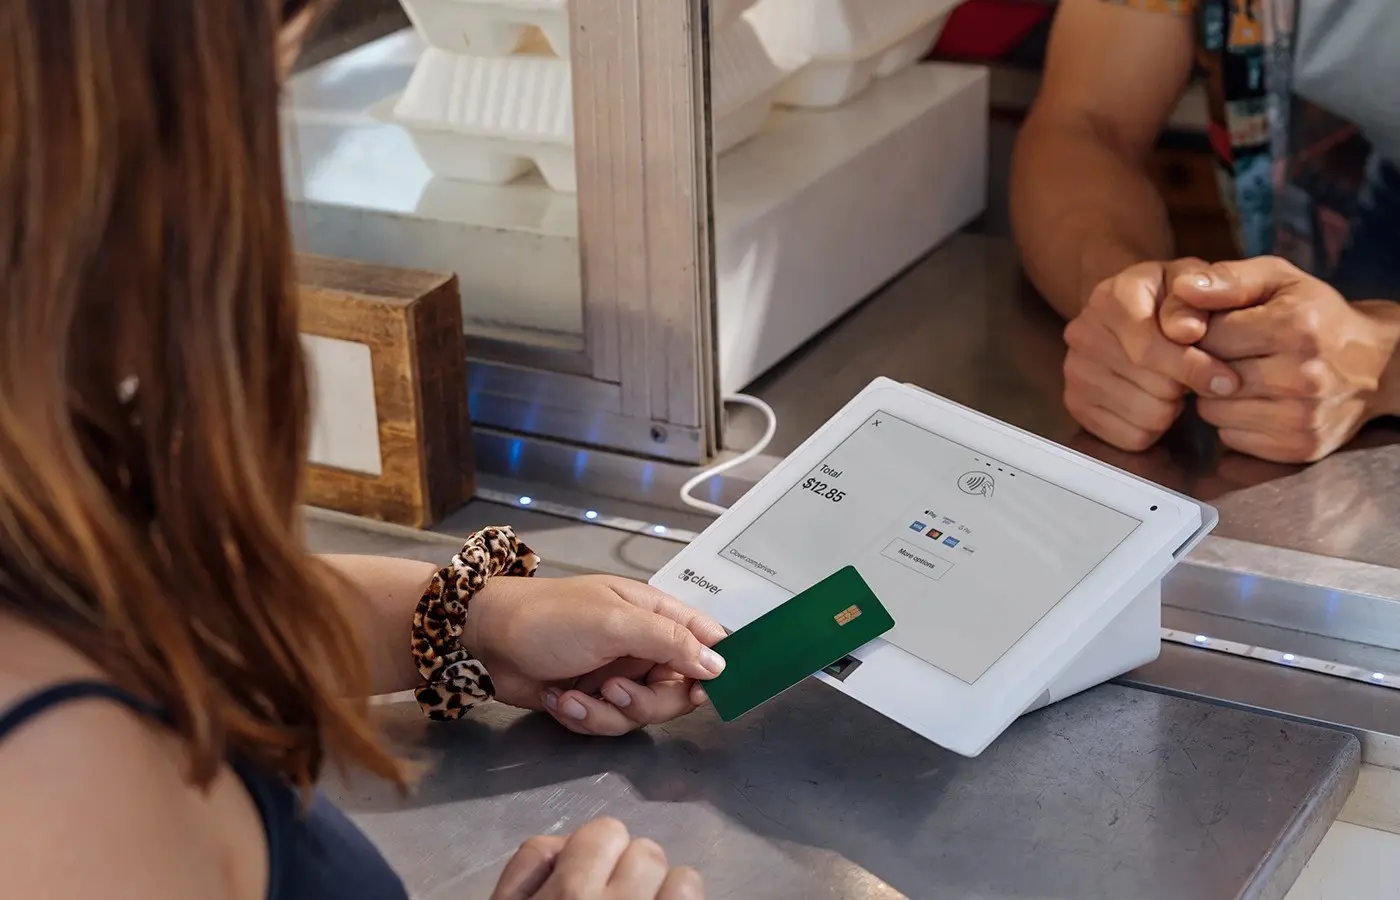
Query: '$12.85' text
{"points": [[823, 490]]}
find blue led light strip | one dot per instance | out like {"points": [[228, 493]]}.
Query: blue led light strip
{"points": [[590, 516], [1289, 660]]}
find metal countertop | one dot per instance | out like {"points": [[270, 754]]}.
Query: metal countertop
{"points": [[1117, 793]]}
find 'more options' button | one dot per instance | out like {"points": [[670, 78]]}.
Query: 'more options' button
{"points": [[917, 558]]}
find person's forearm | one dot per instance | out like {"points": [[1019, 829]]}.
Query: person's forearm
{"points": [[390, 588], [1081, 210]]}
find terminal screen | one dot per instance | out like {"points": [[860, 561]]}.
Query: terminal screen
{"points": [[966, 552]]}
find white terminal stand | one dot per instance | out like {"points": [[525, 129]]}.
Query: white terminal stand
{"points": [[1017, 572]]}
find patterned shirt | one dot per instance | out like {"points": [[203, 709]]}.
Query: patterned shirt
{"points": [[1296, 181]]}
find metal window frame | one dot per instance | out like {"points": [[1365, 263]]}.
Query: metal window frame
{"points": [[644, 383]]}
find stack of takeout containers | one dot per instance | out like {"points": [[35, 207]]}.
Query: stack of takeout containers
{"points": [[834, 49], [492, 96]]}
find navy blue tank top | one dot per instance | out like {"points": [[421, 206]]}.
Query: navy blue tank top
{"points": [[314, 852]]}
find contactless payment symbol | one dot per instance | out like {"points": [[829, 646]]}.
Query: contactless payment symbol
{"points": [[977, 483]]}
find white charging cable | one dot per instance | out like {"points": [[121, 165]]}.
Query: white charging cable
{"points": [[720, 468]]}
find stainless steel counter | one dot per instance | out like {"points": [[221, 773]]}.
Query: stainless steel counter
{"points": [[1115, 794]]}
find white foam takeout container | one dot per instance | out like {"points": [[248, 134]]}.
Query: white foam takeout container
{"points": [[489, 119], [490, 27], [501, 27], [836, 48], [493, 119]]}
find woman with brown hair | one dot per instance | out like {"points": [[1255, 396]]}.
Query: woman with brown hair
{"points": [[175, 669]]}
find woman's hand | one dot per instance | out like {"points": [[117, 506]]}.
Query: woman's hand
{"points": [[600, 860], [602, 655]]}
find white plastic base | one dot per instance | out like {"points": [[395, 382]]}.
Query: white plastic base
{"points": [[1132, 639]]}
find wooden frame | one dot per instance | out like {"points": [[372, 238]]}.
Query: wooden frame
{"points": [[411, 323]]}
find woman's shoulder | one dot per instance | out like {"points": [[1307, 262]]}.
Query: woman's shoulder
{"points": [[95, 794]]}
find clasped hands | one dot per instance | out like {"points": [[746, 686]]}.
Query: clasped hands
{"points": [[1281, 364]]}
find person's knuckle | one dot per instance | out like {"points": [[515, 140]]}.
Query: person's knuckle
{"points": [[1308, 331], [1305, 447], [687, 883], [1135, 344], [1156, 416], [609, 829], [536, 851], [1078, 333], [1079, 368], [650, 851], [1137, 440], [1311, 379], [616, 620], [1309, 415], [1076, 405], [677, 635], [539, 845]]}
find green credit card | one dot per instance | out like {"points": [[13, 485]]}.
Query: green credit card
{"points": [[803, 636]]}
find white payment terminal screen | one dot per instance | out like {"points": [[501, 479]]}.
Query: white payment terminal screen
{"points": [[966, 552]]}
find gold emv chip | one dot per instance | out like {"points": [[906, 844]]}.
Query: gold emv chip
{"points": [[847, 615]]}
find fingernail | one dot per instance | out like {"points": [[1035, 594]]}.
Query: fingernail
{"points": [[550, 699], [700, 698], [1203, 281], [1221, 386], [573, 709], [615, 695], [712, 661]]}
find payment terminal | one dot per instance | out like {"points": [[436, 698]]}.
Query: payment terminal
{"points": [[1017, 572]]}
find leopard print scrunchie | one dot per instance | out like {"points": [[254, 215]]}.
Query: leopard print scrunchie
{"points": [[453, 681]]}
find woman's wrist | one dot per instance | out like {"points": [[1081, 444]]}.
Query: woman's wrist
{"points": [[484, 622], [453, 679]]}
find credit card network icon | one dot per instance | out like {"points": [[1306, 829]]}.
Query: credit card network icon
{"points": [[934, 533]]}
